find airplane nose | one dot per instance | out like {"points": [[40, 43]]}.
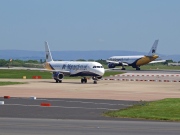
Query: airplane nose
{"points": [[101, 71]]}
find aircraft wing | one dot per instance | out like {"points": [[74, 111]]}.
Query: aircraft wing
{"points": [[38, 69], [109, 69], [117, 62], [110, 61], [34, 64], [112, 69], [157, 61], [124, 64]]}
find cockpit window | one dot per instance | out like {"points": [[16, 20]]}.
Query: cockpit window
{"points": [[97, 66]]}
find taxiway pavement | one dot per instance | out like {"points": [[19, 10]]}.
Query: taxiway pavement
{"points": [[77, 108], [85, 109], [105, 89], [85, 127]]}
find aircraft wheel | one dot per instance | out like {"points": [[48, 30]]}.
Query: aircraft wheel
{"points": [[95, 82], [123, 68], [85, 80], [82, 80], [58, 81], [138, 68]]}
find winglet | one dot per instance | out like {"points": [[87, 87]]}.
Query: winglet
{"points": [[48, 52], [154, 48]]}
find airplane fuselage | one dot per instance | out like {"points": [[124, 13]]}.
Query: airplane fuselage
{"points": [[134, 61], [76, 68]]}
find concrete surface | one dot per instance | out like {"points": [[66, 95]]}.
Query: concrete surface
{"points": [[72, 88]]}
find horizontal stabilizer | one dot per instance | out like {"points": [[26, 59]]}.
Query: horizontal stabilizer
{"points": [[157, 61]]}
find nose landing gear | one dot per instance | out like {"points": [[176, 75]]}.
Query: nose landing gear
{"points": [[95, 82], [95, 79]]}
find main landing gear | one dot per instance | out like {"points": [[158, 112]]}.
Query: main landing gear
{"points": [[58, 81], [138, 68], [84, 80]]}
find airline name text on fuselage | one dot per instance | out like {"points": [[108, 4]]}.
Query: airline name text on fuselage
{"points": [[72, 67]]}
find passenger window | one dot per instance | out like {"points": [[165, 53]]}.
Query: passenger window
{"points": [[98, 66], [94, 66]]}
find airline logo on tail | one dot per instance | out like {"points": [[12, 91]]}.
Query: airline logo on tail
{"points": [[48, 53], [154, 48]]}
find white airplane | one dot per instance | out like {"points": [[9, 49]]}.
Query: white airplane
{"points": [[73, 68], [135, 61], [68, 68]]}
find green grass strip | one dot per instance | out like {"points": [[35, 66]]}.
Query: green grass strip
{"points": [[166, 109], [109, 73], [18, 74], [10, 83]]}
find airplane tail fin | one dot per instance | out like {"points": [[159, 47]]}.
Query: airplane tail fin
{"points": [[154, 48], [48, 53]]}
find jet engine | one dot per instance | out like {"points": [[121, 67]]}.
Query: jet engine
{"points": [[96, 77], [58, 75], [111, 65], [99, 77]]}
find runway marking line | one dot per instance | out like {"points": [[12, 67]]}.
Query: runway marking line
{"points": [[45, 104], [6, 97], [84, 102], [60, 107]]}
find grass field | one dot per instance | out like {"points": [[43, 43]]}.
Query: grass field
{"points": [[166, 109], [18, 74], [156, 66], [10, 83], [160, 67]]}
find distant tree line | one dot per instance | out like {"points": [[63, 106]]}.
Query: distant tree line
{"points": [[33, 63], [18, 63], [36, 63]]}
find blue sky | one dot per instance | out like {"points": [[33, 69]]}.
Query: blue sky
{"points": [[131, 25]]}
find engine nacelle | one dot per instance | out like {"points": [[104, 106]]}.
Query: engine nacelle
{"points": [[99, 77], [111, 65], [58, 75], [95, 78]]}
